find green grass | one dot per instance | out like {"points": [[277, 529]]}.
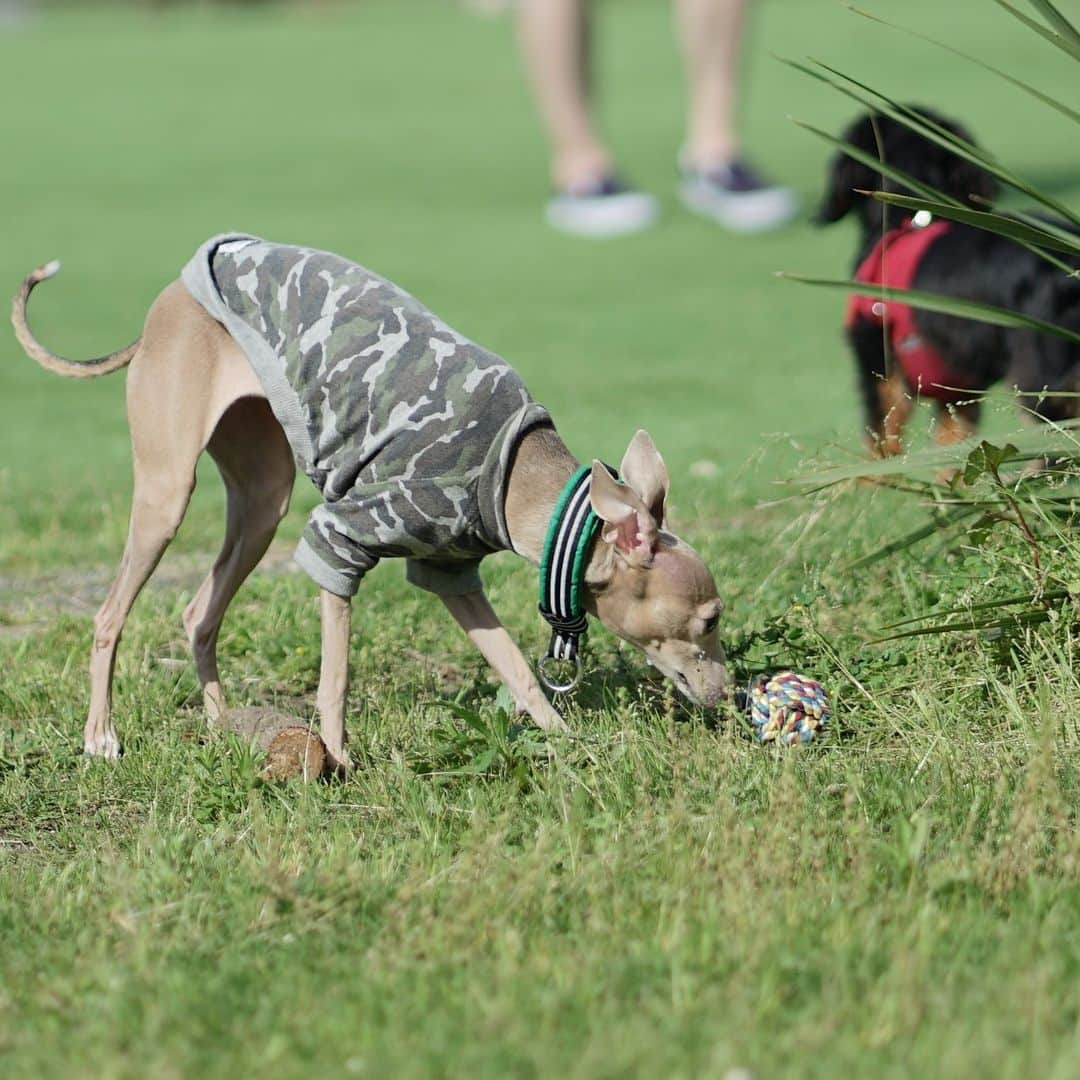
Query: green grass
{"points": [[658, 895]]}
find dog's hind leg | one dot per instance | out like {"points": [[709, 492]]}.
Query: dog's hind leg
{"points": [[184, 376], [160, 498], [954, 423], [894, 407], [256, 465]]}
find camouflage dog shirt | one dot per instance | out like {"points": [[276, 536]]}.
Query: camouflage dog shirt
{"points": [[404, 426]]}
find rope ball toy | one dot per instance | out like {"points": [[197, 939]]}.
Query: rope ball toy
{"points": [[787, 708]]}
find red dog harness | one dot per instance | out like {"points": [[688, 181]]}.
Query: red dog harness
{"points": [[893, 264]]}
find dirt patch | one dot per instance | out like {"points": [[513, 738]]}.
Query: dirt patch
{"points": [[29, 604]]}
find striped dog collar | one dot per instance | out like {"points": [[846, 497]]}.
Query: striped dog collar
{"points": [[570, 534]]}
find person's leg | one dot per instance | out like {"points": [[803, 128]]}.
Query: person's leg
{"points": [[589, 199], [717, 181], [555, 45], [710, 33]]}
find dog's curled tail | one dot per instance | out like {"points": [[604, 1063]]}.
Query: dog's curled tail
{"points": [[50, 361]]}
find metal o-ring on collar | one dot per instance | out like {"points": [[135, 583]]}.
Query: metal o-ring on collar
{"points": [[559, 687]]}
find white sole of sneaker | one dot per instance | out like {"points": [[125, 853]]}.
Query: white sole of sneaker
{"points": [[751, 211], [604, 215]]}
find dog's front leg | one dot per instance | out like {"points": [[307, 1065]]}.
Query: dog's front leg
{"points": [[334, 677], [475, 615]]}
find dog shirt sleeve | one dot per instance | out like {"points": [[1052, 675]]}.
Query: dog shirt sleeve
{"points": [[330, 555]]}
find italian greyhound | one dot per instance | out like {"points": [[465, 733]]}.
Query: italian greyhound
{"points": [[192, 387]]}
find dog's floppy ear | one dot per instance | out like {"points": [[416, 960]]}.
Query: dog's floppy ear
{"points": [[845, 176], [644, 470], [627, 523]]}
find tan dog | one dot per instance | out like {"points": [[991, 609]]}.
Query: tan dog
{"points": [[191, 388]]}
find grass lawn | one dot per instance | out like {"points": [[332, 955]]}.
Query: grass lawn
{"points": [[658, 895]]}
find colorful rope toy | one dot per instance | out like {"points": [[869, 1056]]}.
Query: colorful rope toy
{"points": [[787, 708]]}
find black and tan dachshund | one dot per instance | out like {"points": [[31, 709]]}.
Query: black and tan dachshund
{"points": [[901, 352]]}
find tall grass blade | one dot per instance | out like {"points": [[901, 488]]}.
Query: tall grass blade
{"points": [[946, 305], [1056, 20], [902, 543], [1061, 440], [877, 165], [948, 140], [1028, 233], [1046, 99], [1009, 622], [1037, 222], [988, 605], [1066, 45], [879, 102]]}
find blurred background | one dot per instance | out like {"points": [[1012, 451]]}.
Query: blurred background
{"points": [[400, 134]]}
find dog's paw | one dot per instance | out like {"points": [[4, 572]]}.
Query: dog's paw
{"points": [[548, 720], [339, 764], [103, 744]]}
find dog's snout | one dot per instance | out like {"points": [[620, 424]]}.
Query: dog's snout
{"points": [[718, 690], [709, 686]]}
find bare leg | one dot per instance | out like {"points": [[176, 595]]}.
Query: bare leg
{"points": [[334, 677], [475, 616], [554, 38], [157, 509], [710, 32], [253, 456]]}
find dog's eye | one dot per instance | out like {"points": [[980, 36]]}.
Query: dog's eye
{"points": [[712, 622]]}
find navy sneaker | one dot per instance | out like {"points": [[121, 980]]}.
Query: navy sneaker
{"points": [[605, 208], [736, 196]]}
